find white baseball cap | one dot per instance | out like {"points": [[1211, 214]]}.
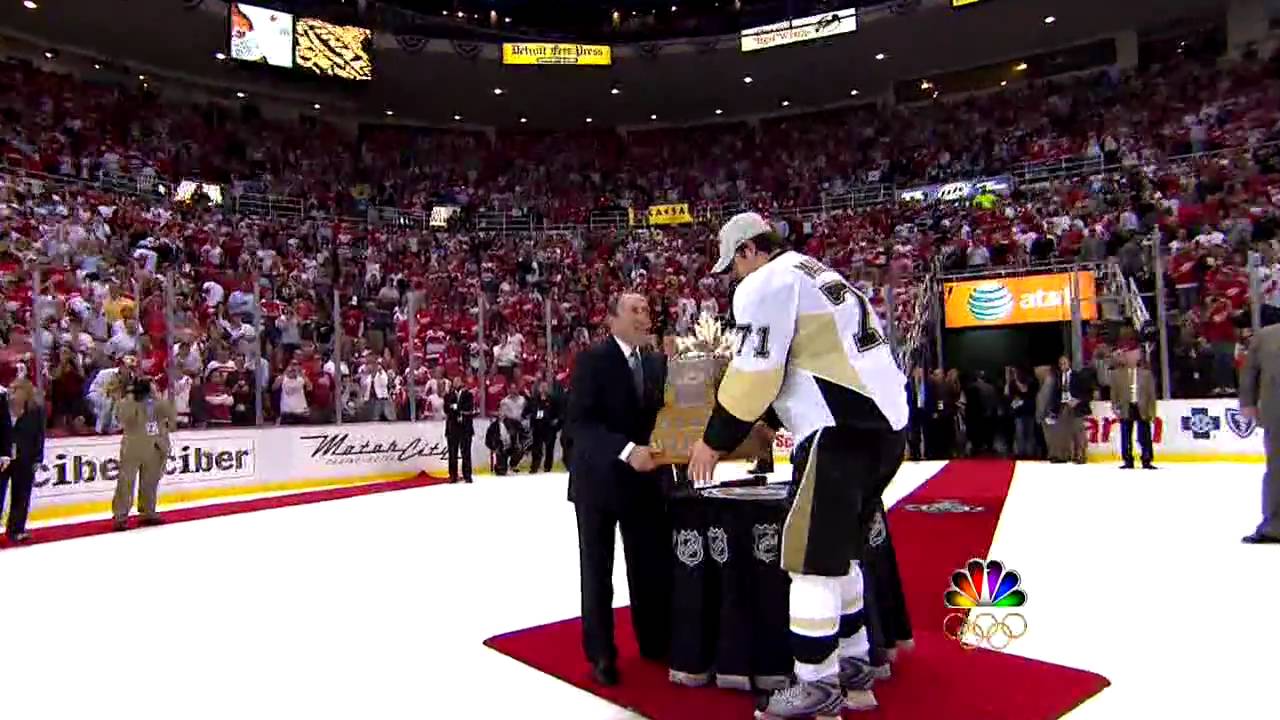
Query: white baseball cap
{"points": [[740, 228]]}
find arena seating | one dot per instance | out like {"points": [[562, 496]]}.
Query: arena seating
{"points": [[130, 274]]}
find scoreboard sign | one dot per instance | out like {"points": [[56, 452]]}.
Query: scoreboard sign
{"points": [[556, 54], [800, 30]]}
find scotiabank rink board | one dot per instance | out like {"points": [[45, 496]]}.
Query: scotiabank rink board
{"points": [[78, 475], [1183, 431], [1211, 430]]}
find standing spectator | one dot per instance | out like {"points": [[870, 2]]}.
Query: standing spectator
{"points": [[147, 421], [1022, 406], [459, 411], [940, 431], [375, 390], [1075, 388], [293, 387], [920, 403], [1260, 402], [1049, 410], [1133, 400], [507, 440], [21, 448], [544, 422]]}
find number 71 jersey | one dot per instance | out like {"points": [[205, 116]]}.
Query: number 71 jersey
{"points": [[811, 346]]}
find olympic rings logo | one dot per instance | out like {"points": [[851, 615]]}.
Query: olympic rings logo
{"points": [[984, 630]]}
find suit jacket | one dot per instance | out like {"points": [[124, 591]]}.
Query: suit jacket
{"points": [[1080, 389], [606, 413], [1048, 399], [22, 440], [459, 409], [543, 413], [1260, 379], [1122, 399], [133, 419], [930, 406]]}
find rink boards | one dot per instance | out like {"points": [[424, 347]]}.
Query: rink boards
{"points": [[78, 474]]}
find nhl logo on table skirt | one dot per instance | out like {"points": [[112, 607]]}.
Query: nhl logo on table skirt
{"points": [[688, 547], [719, 543], [944, 506], [1242, 426], [1201, 423], [765, 542]]}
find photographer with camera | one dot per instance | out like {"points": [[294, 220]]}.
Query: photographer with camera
{"points": [[147, 421]]}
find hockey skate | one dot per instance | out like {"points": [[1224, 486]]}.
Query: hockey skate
{"points": [[821, 700], [856, 678]]}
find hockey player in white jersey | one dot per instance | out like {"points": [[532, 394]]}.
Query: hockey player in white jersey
{"points": [[812, 349]]}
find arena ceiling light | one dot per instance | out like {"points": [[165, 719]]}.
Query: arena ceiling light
{"points": [[589, 119], [457, 118], [524, 120], [747, 79], [389, 112], [50, 54], [142, 77], [498, 91], [1004, 83], [881, 56], [653, 116], [785, 103], [615, 89], [925, 85], [30, 4], [1049, 20], [97, 66], [853, 92], [240, 94], [1020, 67], [719, 111], [315, 106], [219, 56]]}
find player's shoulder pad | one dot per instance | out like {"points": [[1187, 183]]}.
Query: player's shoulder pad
{"points": [[777, 277]]}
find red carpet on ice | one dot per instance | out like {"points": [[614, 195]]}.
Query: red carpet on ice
{"points": [[54, 533], [938, 679]]}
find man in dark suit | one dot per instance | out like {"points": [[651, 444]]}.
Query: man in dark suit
{"points": [[543, 411], [1076, 388], [459, 409], [920, 402], [613, 406]]}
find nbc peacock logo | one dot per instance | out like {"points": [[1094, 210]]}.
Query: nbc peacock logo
{"points": [[990, 302], [981, 585]]}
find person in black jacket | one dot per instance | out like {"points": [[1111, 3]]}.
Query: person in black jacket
{"points": [[613, 407], [21, 449], [459, 409], [543, 412], [1076, 390], [920, 403]]}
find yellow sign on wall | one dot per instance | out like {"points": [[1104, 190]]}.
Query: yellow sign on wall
{"points": [[674, 214], [1017, 300], [556, 54]]}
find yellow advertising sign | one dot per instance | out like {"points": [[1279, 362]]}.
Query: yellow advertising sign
{"points": [[1017, 300], [556, 54], [669, 214]]}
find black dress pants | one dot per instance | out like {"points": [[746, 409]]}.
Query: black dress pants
{"points": [[646, 545], [459, 444], [544, 446], [22, 478]]}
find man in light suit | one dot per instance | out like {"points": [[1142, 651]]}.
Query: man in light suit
{"points": [[1133, 400], [147, 421], [1260, 402], [1057, 438]]}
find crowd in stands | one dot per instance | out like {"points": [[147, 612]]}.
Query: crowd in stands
{"points": [[297, 319]]}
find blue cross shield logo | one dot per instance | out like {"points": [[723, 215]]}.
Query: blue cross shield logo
{"points": [[1201, 424], [1242, 426]]}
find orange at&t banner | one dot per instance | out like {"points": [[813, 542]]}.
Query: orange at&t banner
{"points": [[1017, 300]]}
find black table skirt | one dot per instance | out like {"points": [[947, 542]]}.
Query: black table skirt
{"points": [[730, 596]]}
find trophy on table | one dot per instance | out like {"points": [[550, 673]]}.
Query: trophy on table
{"points": [[695, 366]]}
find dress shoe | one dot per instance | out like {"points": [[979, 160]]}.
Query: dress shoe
{"points": [[152, 521], [605, 674], [119, 526], [1149, 466], [1127, 466], [1260, 539], [20, 538]]}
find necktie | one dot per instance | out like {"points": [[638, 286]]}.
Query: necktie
{"points": [[637, 372]]}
